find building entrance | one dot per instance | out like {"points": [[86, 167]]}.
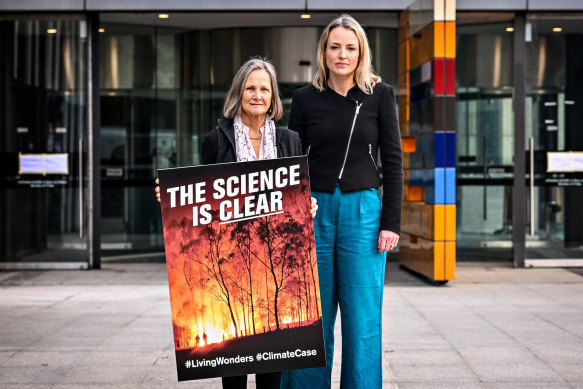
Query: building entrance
{"points": [[554, 143], [43, 116]]}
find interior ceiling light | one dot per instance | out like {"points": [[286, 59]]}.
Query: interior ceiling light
{"points": [[52, 31], [557, 29], [509, 29], [163, 16], [101, 30], [305, 16]]}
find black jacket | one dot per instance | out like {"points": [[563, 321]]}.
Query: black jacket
{"points": [[218, 145], [324, 119]]}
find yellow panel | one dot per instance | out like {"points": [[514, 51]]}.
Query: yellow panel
{"points": [[439, 261], [439, 222], [450, 260], [439, 39], [450, 10], [435, 260], [449, 40], [439, 9], [450, 221]]}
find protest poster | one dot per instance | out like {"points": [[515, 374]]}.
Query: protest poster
{"points": [[242, 269]]}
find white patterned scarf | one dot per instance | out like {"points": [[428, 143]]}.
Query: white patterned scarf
{"points": [[244, 148]]}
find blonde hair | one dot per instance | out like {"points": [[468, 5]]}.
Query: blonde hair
{"points": [[364, 75], [232, 105]]}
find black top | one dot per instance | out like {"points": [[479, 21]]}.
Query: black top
{"points": [[324, 119], [218, 145]]}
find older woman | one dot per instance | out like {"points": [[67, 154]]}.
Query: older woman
{"points": [[343, 119], [249, 132]]}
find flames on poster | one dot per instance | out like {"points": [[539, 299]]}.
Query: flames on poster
{"points": [[242, 269]]}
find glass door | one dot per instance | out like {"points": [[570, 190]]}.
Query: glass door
{"points": [[43, 116], [484, 136], [554, 144]]}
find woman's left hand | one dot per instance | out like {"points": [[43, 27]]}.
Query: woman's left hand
{"points": [[313, 207], [387, 240]]}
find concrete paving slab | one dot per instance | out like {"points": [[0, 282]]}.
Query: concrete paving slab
{"points": [[433, 373], [517, 372], [495, 326], [497, 355], [527, 385]]}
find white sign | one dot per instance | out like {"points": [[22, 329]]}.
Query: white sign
{"points": [[566, 161], [43, 163]]}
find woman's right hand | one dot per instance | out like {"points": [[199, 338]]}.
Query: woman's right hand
{"points": [[157, 190]]}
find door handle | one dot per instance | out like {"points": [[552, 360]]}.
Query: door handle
{"points": [[485, 194], [81, 231], [531, 152]]}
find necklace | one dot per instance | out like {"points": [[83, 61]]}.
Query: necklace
{"points": [[250, 137]]}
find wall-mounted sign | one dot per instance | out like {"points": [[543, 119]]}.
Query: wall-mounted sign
{"points": [[565, 162], [43, 163], [114, 172]]}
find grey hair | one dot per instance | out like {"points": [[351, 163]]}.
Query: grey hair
{"points": [[232, 105]]}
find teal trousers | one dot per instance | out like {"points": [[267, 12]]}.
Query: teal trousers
{"points": [[351, 274]]}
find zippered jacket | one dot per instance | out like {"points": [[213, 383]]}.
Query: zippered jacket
{"points": [[218, 146], [342, 136]]}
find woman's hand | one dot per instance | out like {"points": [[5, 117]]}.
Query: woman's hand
{"points": [[157, 190], [387, 240], [313, 207]]}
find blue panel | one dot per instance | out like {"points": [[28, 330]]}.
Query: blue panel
{"points": [[450, 186], [439, 186], [449, 149], [435, 188], [440, 155]]}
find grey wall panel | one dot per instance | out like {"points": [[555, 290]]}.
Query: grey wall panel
{"points": [[193, 5], [494, 5], [352, 5], [566, 5], [42, 5]]}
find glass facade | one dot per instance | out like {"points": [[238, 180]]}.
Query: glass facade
{"points": [[554, 58], [484, 135], [43, 115], [162, 88]]}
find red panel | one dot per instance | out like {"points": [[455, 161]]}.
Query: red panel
{"points": [[439, 76], [450, 76]]}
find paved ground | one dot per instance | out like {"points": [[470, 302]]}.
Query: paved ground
{"points": [[493, 327]]}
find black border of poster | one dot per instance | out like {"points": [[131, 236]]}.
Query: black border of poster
{"points": [[276, 349]]}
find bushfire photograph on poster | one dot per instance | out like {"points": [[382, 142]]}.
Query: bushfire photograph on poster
{"points": [[242, 270]]}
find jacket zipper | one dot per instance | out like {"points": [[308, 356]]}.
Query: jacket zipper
{"points": [[371, 157], [349, 139]]}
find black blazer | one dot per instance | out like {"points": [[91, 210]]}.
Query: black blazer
{"points": [[218, 145], [324, 119]]}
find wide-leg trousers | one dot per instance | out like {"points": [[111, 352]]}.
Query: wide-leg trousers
{"points": [[351, 274]]}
